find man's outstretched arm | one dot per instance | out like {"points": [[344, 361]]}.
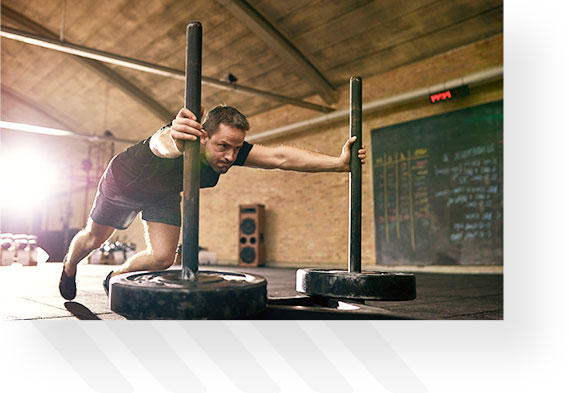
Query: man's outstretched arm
{"points": [[295, 159]]}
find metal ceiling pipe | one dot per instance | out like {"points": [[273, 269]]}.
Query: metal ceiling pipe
{"points": [[484, 76], [139, 65]]}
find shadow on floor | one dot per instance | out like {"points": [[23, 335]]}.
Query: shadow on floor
{"points": [[80, 311]]}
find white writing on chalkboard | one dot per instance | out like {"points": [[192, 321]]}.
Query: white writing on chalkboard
{"points": [[474, 186], [473, 151]]}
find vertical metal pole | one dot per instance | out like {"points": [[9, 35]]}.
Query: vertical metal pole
{"points": [[86, 195], [68, 211], [355, 196], [191, 183]]}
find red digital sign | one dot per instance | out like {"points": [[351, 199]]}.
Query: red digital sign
{"points": [[450, 94]]}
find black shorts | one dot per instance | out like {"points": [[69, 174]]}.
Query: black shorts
{"points": [[112, 208]]}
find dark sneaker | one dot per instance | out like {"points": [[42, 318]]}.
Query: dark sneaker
{"points": [[67, 287], [106, 283]]}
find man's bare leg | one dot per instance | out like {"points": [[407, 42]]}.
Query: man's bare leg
{"points": [[161, 241], [84, 242]]}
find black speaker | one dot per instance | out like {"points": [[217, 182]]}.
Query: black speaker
{"points": [[251, 235]]}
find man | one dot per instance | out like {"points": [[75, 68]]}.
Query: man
{"points": [[147, 177]]}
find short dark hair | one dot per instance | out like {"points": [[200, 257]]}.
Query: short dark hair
{"points": [[227, 115]]}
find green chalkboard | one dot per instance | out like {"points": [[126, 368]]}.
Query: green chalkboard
{"points": [[438, 189]]}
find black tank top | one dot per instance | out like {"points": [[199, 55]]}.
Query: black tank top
{"points": [[143, 176]]}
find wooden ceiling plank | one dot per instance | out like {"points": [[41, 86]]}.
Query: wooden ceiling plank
{"points": [[220, 47], [424, 47], [149, 21], [285, 49], [83, 23], [8, 95], [131, 90], [358, 21], [226, 38], [489, 21], [279, 9], [314, 15], [230, 46], [23, 73], [14, 62], [422, 21], [259, 56]]}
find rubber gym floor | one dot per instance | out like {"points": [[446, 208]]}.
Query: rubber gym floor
{"points": [[31, 293]]}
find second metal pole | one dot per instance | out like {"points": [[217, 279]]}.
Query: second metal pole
{"points": [[191, 182], [355, 196]]}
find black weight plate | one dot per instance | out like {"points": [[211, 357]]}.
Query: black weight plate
{"points": [[164, 295], [341, 284]]}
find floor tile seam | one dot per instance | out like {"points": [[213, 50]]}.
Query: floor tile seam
{"points": [[45, 304], [466, 298], [62, 316], [476, 313], [439, 301]]}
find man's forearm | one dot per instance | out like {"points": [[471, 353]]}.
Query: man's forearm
{"points": [[294, 159], [163, 146]]}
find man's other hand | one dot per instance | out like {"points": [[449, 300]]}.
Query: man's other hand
{"points": [[345, 154]]}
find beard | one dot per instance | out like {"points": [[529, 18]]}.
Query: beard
{"points": [[223, 168]]}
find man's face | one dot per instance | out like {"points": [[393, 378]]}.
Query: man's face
{"points": [[221, 149]]}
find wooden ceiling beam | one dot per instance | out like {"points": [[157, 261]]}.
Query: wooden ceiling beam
{"points": [[250, 17], [123, 84]]}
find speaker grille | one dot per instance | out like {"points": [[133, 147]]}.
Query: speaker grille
{"points": [[247, 254], [248, 226]]}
